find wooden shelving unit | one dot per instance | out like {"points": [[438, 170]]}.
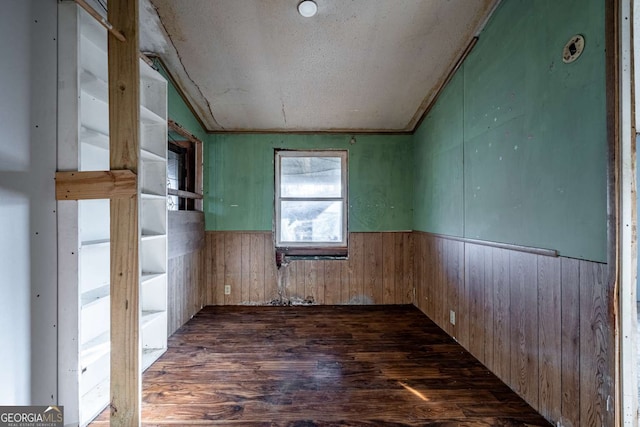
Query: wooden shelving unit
{"points": [[84, 226]]}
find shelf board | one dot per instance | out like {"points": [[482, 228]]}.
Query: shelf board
{"points": [[147, 195], [147, 277], [150, 355], [95, 243], [94, 295], [94, 349], [94, 401], [147, 237], [94, 32], [94, 137], [94, 86], [149, 117], [150, 316], [151, 156]]}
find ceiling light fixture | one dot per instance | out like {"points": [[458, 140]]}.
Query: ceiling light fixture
{"points": [[307, 8]]}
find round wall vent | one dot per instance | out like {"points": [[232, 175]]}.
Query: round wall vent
{"points": [[573, 49]]}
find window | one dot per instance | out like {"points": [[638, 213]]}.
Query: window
{"points": [[184, 170], [311, 202], [176, 175]]}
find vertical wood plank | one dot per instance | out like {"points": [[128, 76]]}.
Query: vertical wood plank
{"points": [[319, 297], [219, 262], [270, 269], [429, 273], [407, 263], [172, 283], [245, 267], [570, 330], [183, 288], [196, 265], [233, 267], [124, 119], [450, 285], [356, 266], [373, 268], [464, 299], [550, 336], [501, 337], [440, 285], [344, 281], [300, 280], [524, 325], [596, 348], [399, 272], [283, 282], [448, 294], [256, 269], [388, 268], [418, 274], [474, 277], [332, 282], [209, 268], [462, 303], [295, 286], [488, 308], [202, 281], [311, 280]]}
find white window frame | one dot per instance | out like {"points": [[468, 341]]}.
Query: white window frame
{"points": [[290, 247]]}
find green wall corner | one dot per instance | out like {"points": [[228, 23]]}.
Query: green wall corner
{"points": [[531, 167], [177, 108]]}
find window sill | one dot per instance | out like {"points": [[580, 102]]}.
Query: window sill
{"points": [[328, 253]]}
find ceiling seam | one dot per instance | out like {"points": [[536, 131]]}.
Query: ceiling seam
{"points": [[188, 75]]}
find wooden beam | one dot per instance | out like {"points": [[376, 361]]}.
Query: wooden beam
{"points": [[96, 185], [124, 122], [106, 24], [183, 194], [177, 128]]}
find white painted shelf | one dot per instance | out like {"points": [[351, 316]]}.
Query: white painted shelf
{"points": [[94, 137], [84, 231], [93, 401]]}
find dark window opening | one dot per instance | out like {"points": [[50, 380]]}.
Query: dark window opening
{"points": [[181, 175]]}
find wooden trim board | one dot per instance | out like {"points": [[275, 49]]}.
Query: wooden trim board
{"points": [[96, 185], [509, 246]]}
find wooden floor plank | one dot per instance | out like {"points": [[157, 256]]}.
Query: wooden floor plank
{"points": [[322, 366]]}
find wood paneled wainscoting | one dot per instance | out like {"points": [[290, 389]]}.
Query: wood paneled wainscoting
{"points": [[543, 325], [379, 271], [186, 266]]}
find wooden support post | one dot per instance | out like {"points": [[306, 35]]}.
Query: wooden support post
{"points": [[124, 115]]}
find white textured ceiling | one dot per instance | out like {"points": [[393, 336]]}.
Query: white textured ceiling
{"points": [[358, 65]]}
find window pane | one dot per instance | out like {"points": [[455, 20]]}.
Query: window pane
{"points": [[173, 178], [311, 221], [310, 177]]}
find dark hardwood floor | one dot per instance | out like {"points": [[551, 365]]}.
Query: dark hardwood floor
{"points": [[322, 366]]}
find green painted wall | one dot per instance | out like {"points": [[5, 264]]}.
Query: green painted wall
{"points": [[239, 179], [178, 109], [531, 167], [438, 167]]}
